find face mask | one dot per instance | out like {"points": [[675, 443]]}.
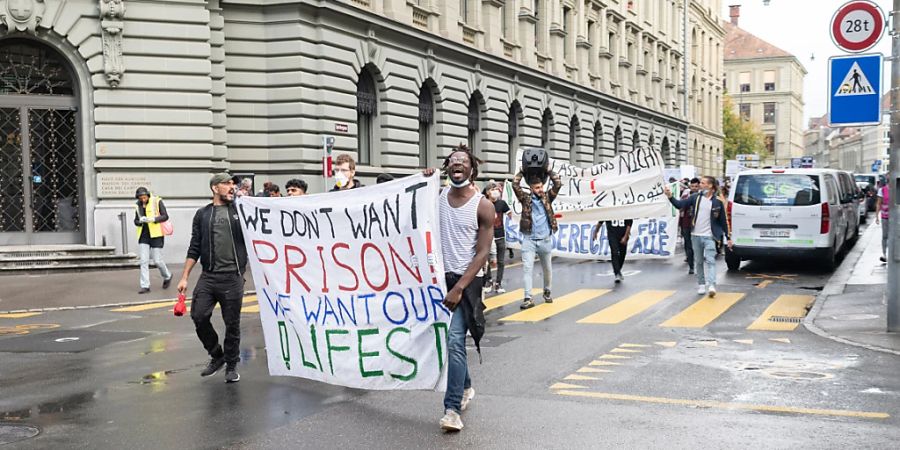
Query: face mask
{"points": [[340, 179], [495, 195], [461, 184]]}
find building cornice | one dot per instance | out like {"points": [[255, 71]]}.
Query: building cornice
{"points": [[371, 20]]}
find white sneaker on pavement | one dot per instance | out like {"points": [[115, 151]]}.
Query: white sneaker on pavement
{"points": [[451, 421], [701, 289], [711, 292], [467, 397]]}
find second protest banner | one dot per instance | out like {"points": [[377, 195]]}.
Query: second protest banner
{"points": [[629, 186], [349, 285]]}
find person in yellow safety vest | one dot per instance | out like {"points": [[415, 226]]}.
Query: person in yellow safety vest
{"points": [[149, 213]]}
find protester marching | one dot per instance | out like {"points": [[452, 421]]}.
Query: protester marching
{"points": [[378, 289]]}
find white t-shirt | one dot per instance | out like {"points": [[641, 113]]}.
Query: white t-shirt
{"points": [[702, 227]]}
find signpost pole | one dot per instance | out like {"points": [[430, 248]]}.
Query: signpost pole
{"points": [[892, 291]]}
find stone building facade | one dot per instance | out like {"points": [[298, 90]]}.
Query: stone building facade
{"points": [[98, 97], [766, 86]]}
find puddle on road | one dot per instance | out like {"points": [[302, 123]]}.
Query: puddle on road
{"points": [[53, 407]]}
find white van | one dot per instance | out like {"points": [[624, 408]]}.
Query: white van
{"points": [[791, 213]]}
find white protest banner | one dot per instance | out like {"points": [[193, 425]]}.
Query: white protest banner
{"points": [[630, 186], [650, 239], [349, 286]]}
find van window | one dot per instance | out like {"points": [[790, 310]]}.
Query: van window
{"points": [[832, 190], [846, 187], [777, 190]]}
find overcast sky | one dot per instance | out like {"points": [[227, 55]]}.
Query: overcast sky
{"points": [[801, 27]]}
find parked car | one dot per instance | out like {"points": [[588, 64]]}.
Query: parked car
{"points": [[869, 187], [790, 213], [865, 194]]}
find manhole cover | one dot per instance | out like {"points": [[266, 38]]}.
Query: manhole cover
{"points": [[797, 375], [855, 317], [10, 433]]}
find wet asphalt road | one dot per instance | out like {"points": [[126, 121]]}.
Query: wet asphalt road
{"points": [[132, 380]]}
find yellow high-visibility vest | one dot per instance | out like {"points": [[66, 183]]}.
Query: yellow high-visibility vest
{"points": [[151, 209]]}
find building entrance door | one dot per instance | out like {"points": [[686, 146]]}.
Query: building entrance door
{"points": [[41, 182]]}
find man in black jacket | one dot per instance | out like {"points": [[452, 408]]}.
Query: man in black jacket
{"points": [[217, 242]]}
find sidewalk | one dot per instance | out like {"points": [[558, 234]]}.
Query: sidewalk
{"points": [[48, 292], [852, 307]]}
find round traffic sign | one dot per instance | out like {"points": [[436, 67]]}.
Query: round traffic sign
{"points": [[857, 26]]}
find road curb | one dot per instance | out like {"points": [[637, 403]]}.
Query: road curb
{"points": [[106, 305], [835, 286]]}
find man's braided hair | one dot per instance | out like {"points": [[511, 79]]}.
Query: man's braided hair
{"points": [[474, 160]]}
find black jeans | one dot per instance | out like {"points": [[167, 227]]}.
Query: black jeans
{"points": [[688, 247], [500, 242], [616, 249], [226, 289]]}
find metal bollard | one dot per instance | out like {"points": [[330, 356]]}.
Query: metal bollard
{"points": [[123, 216]]}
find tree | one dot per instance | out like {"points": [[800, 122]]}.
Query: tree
{"points": [[741, 136]]}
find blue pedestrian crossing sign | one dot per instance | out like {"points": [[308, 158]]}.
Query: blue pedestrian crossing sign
{"points": [[854, 84]]}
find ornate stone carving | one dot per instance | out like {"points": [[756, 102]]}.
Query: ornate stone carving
{"points": [[22, 15], [112, 13]]}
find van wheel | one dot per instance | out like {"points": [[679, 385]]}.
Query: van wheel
{"points": [[732, 260]]}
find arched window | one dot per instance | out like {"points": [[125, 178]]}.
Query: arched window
{"points": [[512, 135], [574, 128], [427, 154], [666, 155], [474, 123], [617, 140], [366, 110], [635, 140], [546, 126], [598, 142]]}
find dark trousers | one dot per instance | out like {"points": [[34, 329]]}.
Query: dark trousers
{"points": [[226, 289], [688, 247], [617, 250], [501, 263]]}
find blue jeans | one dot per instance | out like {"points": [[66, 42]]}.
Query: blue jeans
{"points": [[704, 252], [457, 366], [146, 253], [542, 249]]}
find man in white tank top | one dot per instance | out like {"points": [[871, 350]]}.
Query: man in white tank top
{"points": [[467, 226]]}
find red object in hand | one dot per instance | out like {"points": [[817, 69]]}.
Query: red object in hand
{"points": [[180, 307]]}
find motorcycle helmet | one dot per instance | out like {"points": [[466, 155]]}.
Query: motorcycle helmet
{"points": [[535, 164]]}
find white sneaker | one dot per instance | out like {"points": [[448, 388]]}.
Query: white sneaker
{"points": [[701, 289], [451, 421], [468, 395], [500, 290], [711, 292]]}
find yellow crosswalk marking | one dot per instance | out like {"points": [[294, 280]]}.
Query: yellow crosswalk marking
{"points": [[567, 386], [507, 298], [627, 308], [709, 343], [604, 363], [564, 303], [593, 370], [167, 304], [250, 309], [783, 306], [608, 356], [145, 306], [576, 377], [781, 340], [626, 345], [668, 344], [624, 350], [744, 341], [703, 311], [20, 315]]}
